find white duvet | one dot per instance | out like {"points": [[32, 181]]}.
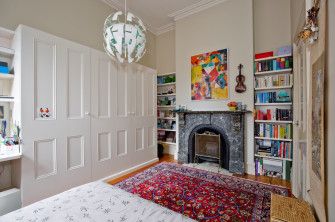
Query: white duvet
{"points": [[95, 201]]}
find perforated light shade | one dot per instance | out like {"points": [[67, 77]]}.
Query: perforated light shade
{"points": [[124, 41]]}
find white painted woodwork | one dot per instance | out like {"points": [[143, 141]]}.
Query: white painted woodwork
{"points": [[103, 114], [56, 151], [300, 167], [10, 200], [121, 95]]}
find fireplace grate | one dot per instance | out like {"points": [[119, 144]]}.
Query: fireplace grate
{"points": [[207, 145]]}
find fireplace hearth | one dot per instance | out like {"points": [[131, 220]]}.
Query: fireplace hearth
{"points": [[216, 136]]}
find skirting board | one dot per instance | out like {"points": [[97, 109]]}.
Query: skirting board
{"points": [[129, 170], [10, 200]]}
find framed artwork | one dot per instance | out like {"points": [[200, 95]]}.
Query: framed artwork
{"points": [[209, 76], [316, 115], [317, 140]]}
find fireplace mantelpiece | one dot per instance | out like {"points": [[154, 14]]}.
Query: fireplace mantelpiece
{"points": [[230, 123]]}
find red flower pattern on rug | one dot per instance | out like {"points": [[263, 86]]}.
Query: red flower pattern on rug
{"points": [[203, 195]]}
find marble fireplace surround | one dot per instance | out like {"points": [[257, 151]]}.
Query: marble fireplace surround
{"points": [[229, 123]]}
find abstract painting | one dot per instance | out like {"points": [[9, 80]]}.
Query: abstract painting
{"points": [[318, 70], [209, 75]]}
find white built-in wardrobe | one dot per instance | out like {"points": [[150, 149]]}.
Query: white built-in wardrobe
{"points": [[101, 119]]}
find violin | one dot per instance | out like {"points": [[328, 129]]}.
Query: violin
{"points": [[240, 87]]}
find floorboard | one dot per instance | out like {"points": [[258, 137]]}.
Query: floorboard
{"points": [[169, 158]]}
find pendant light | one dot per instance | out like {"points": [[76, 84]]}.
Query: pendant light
{"points": [[124, 40]]}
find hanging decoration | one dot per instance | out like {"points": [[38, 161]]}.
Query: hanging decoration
{"points": [[124, 37], [310, 32], [240, 87]]}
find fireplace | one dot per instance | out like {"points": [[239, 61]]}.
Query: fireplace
{"points": [[212, 136], [207, 145]]}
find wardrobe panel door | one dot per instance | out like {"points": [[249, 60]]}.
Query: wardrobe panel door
{"points": [[105, 80], [45, 85], [74, 108], [120, 140], [122, 86], [55, 96]]}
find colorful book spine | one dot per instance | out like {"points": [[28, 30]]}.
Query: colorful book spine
{"points": [[274, 64], [280, 131]]}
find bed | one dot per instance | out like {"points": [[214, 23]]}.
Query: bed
{"points": [[95, 201]]}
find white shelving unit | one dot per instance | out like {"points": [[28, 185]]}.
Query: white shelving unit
{"points": [[273, 57], [169, 130], [272, 138], [273, 157], [273, 104], [168, 107], [273, 88], [172, 94], [166, 91], [6, 52], [10, 194], [265, 141], [273, 121], [167, 84], [8, 157], [273, 72], [168, 143]]}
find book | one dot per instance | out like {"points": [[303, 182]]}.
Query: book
{"points": [[274, 64], [277, 131], [263, 55], [274, 114]]}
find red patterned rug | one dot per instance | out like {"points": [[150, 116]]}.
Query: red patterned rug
{"points": [[203, 195]]}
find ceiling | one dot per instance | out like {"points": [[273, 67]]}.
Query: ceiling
{"points": [[159, 15]]}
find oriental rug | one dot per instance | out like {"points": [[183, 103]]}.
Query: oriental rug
{"points": [[203, 195]]}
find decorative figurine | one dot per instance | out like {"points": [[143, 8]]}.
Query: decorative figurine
{"points": [[240, 87]]}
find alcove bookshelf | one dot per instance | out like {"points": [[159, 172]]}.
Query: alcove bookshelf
{"points": [[10, 153], [166, 118], [274, 113]]}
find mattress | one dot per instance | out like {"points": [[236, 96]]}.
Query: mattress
{"points": [[95, 201]]}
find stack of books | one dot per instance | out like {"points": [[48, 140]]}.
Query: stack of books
{"points": [[4, 67], [274, 149], [273, 97], [281, 131], [274, 64], [274, 114], [273, 81]]}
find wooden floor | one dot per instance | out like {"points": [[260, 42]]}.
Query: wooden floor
{"points": [[169, 158]]}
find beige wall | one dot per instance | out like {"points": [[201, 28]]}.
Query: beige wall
{"points": [[297, 16], [330, 112], [217, 28], [166, 52], [77, 20], [149, 58], [272, 24]]}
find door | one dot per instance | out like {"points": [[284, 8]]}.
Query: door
{"points": [[123, 118], [300, 168], [55, 95]]}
